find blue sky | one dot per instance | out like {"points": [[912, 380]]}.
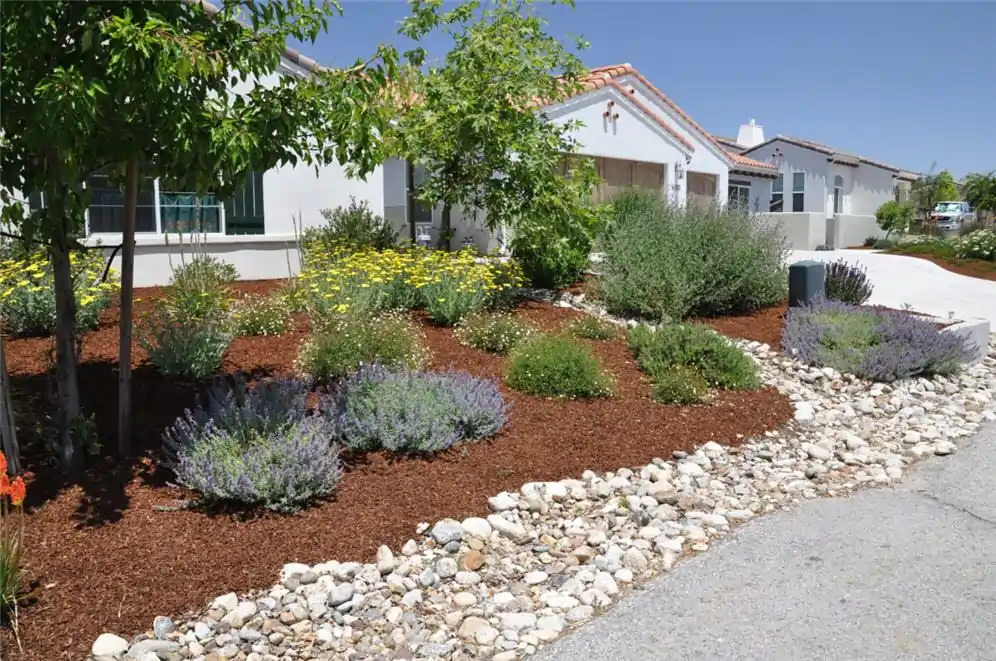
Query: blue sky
{"points": [[907, 83]]}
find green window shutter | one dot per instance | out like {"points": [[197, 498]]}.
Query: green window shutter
{"points": [[244, 211]]}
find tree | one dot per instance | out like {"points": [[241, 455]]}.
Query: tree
{"points": [[110, 86], [475, 122], [894, 217], [980, 191], [930, 189]]}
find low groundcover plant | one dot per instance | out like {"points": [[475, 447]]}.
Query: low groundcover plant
{"points": [[416, 412], [877, 345], [256, 446], [496, 333], [345, 343], [557, 366]]}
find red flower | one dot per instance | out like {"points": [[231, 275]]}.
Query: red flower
{"points": [[4, 485], [3, 463], [18, 490]]}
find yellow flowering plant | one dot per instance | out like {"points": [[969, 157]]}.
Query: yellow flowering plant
{"points": [[27, 292], [449, 285]]}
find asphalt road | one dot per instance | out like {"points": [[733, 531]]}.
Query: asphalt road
{"points": [[900, 574]]}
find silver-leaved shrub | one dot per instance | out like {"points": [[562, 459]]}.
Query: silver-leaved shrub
{"points": [[873, 344], [414, 412], [261, 446]]}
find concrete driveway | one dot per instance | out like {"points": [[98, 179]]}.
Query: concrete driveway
{"points": [[900, 280], [904, 574]]}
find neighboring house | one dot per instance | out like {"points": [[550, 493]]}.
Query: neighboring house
{"points": [[822, 196], [637, 137]]}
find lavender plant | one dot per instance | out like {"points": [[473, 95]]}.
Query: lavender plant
{"points": [[877, 345], [416, 412], [847, 282], [184, 346], [256, 446]]}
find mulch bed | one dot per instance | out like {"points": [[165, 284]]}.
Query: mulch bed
{"points": [[973, 268], [106, 553]]}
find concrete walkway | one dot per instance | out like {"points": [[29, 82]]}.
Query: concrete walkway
{"points": [[899, 280], [903, 574]]}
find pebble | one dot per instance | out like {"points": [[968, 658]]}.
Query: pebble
{"points": [[552, 554]]}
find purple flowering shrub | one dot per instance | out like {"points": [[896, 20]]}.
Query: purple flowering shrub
{"points": [[847, 282], [877, 345], [256, 446], [416, 412]]}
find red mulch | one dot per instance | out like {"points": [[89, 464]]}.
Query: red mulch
{"points": [[104, 556]]}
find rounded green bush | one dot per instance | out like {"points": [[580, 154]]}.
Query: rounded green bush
{"points": [[342, 345], [593, 328], [679, 384], [720, 363], [557, 366], [495, 333]]}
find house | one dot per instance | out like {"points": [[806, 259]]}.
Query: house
{"points": [[821, 195], [636, 135]]}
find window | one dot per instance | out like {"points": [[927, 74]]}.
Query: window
{"points": [[738, 194], [162, 210], [838, 194], [423, 212], [106, 211], [777, 194], [798, 191]]}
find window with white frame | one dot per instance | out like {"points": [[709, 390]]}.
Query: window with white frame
{"points": [[838, 194], [161, 210], [738, 194], [777, 194], [798, 191]]}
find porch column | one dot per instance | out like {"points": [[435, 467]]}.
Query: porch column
{"points": [[666, 177]]}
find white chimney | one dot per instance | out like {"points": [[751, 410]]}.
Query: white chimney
{"points": [[750, 135]]}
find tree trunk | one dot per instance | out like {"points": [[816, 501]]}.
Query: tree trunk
{"points": [[8, 431], [65, 351], [445, 228], [127, 288]]}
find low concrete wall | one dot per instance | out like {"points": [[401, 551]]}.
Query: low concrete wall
{"points": [[847, 231], [803, 231], [255, 257], [976, 331]]}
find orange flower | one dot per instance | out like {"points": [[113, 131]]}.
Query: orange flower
{"points": [[3, 463], [4, 485], [18, 490]]}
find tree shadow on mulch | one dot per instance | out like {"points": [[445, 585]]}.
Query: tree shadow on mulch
{"points": [[157, 401]]}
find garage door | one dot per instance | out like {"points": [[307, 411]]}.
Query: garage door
{"points": [[618, 175]]}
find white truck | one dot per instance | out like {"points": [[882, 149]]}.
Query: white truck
{"points": [[952, 216]]}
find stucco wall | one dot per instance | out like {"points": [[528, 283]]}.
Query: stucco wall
{"points": [[873, 187], [797, 159], [851, 230], [802, 231]]}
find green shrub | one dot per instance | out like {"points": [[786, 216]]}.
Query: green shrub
{"points": [[926, 244], [667, 262], [356, 227], [869, 241], [200, 287], [184, 346], [593, 328], [345, 343], [679, 384], [450, 296], [720, 363], [553, 261], [27, 292], [884, 244], [260, 315], [496, 333], [557, 366], [895, 216], [980, 244]]}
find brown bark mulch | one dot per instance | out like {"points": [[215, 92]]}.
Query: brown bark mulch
{"points": [[107, 553]]}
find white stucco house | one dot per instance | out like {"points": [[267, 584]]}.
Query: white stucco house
{"points": [[821, 196], [636, 135]]}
